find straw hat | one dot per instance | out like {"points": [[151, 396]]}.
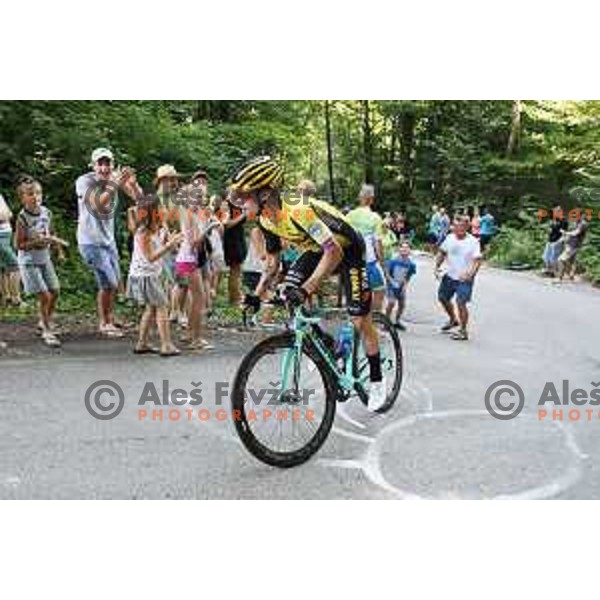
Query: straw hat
{"points": [[165, 171]]}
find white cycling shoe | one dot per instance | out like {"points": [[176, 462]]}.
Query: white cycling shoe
{"points": [[377, 394]]}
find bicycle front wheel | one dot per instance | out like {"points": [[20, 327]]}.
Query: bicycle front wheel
{"points": [[283, 404]]}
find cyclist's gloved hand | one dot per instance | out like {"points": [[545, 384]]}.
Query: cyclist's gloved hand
{"points": [[295, 296], [252, 301]]}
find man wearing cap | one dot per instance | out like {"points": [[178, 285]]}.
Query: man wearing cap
{"points": [[98, 199]]}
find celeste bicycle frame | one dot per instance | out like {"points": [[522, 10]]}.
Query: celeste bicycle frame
{"points": [[347, 379]]}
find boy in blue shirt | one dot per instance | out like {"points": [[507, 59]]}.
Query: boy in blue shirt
{"points": [[487, 228], [398, 270]]}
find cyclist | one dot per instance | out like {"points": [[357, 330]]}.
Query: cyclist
{"points": [[327, 242]]}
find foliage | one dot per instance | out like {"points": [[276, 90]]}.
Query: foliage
{"points": [[416, 153]]}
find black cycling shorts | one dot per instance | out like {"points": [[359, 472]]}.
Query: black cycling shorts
{"points": [[353, 269]]}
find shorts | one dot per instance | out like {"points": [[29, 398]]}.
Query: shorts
{"points": [[396, 293], [8, 258], [375, 276], [568, 256], [39, 278], [234, 246], [484, 240], [217, 262], [104, 262], [147, 290], [449, 287], [352, 268], [251, 279], [184, 272], [552, 251], [432, 238]]}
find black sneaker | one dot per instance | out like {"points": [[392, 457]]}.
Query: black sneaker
{"points": [[448, 326], [400, 326], [461, 334]]}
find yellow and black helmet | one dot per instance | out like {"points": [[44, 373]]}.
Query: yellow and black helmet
{"points": [[256, 174]]}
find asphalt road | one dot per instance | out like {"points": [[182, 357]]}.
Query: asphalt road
{"points": [[438, 442]]}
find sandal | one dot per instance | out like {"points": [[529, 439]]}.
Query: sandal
{"points": [[200, 344], [171, 352], [50, 339], [145, 350], [449, 326]]}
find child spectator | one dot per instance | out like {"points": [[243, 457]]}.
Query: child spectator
{"points": [[217, 258], [399, 270], [189, 276], [487, 228], [144, 284], [35, 236], [10, 284]]}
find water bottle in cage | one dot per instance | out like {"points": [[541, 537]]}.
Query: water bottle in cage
{"points": [[343, 344]]}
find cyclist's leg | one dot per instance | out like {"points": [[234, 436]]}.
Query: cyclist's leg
{"points": [[359, 304]]}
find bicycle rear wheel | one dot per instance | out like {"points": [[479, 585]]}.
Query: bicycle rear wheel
{"points": [[392, 368], [283, 427]]}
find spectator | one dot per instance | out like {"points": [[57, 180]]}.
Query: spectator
{"points": [[461, 250], [390, 239], [444, 226], [399, 270], [207, 223], [98, 200], [555, 241], [573, 242], [167, 185], [433, 229], [217, 258], [35, 236], [476, 223], [235, 250], [189, 275], [199, 180], [487, 228], [307, 189], [254, 265], [144, 284], [10, 283], [370, 225], [403, 229]]}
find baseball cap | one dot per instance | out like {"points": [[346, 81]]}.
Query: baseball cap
{"points": [[99, 153]]}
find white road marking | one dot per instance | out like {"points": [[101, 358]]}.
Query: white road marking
{"points": [[12, 481], [341, 411], [370, 461], [351, 435]]}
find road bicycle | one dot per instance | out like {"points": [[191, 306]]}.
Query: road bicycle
{"points": [[286, 388]]}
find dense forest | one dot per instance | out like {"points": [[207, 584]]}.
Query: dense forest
{"points": [[515, 157]]}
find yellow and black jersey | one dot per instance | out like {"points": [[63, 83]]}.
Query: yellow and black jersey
{"points": [[307, 224]]}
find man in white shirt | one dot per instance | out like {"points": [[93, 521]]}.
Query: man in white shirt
{"points": [[97, 199], [462, 252]]}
